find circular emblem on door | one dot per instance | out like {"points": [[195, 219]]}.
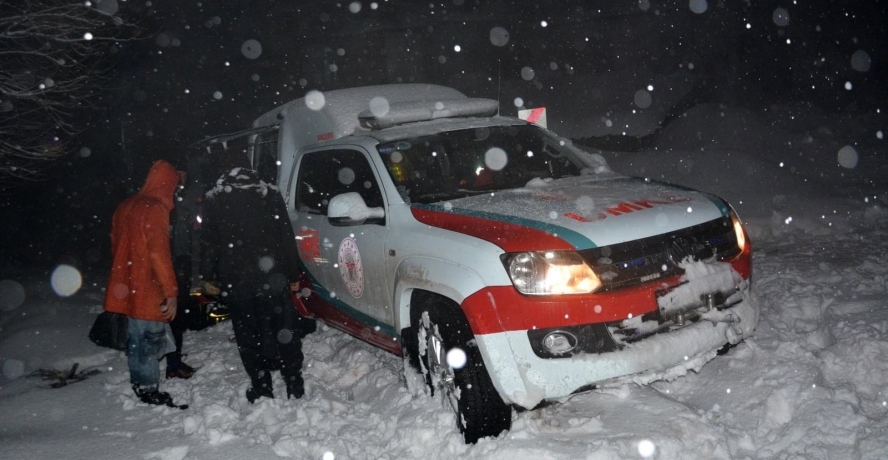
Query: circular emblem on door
{"points": [[350, 268]]}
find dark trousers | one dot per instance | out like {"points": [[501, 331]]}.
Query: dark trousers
{"points": [[179, 324], [268, 339]]}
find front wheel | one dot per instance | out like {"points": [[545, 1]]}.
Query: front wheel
{"points": [[453, 368]]}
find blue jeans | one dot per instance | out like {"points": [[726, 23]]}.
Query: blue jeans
{"points": [[148, 341]]}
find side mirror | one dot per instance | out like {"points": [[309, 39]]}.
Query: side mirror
{"points": [[350, 209]]}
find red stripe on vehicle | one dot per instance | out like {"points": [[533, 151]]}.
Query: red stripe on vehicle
{"points": [[296, 298], [510, 237], [323, 310], [504, 309], [576, 217]]}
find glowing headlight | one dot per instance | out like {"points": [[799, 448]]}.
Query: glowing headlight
{"points": [[547, 273], [738, 231]]}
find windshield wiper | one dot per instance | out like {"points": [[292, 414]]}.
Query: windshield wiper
{"points": [[433, 197]]}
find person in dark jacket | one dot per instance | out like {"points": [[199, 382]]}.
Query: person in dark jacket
{"points": [[180, 239], [249, 248]]}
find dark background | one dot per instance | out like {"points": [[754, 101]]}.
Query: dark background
{"points": [[190, 78]]}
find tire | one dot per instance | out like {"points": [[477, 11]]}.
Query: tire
{"points": [[438, 324]]}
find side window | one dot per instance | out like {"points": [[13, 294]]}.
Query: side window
{"points": [[265, 156], [323, 175]]}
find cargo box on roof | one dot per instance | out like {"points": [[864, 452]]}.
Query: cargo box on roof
{"points": [[320, 117]]}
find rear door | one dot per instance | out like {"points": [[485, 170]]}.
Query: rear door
{"points": [[345, 262]]}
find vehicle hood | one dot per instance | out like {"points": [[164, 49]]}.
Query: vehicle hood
{"points": [[574, 213]]}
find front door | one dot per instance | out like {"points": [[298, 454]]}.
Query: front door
{"points": [[345, 262]]}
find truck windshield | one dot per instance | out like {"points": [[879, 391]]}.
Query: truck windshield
{"points": [[460, 163]]}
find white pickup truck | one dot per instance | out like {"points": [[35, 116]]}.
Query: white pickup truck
{"points": [[507, 266]]}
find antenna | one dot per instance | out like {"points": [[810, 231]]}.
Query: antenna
{"points": [[498, 85]]}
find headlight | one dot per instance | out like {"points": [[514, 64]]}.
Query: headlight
{"points": [[547, 273], [738, 231]]}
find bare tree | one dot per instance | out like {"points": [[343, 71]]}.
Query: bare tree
{"points": [[53, 59]]}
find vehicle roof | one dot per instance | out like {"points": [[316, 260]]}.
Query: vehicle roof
{"points": [[340, 108], [319, 117], [427, 128]]}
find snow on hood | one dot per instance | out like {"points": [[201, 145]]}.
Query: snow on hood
{"points": [[589, 211]]}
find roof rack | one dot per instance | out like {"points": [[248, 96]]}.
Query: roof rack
{"points": [[223, 139], [414, 111]]}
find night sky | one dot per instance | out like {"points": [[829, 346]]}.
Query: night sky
{"points": [[211, 67]]}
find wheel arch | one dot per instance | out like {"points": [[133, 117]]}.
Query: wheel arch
{"points": [[428, 276], [425, 274]]}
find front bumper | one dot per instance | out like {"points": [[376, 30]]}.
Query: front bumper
{"points": [[525, 379]]}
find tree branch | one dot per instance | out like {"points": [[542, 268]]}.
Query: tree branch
{"points": [[49, 71]]}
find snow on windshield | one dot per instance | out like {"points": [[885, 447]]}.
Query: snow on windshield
{"points": [[484, 159]]}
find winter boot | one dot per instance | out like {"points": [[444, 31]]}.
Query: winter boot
{"points": [[260, 385], [183, 371], [156, 398], [253, 393], [295, 387], [295, 392]]}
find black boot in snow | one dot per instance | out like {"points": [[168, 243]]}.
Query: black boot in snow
{"points": [[156, 398], [260, 385], [253, 394], [295, 389]]}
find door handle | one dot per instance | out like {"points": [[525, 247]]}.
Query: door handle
{"points": [[327, 244]]}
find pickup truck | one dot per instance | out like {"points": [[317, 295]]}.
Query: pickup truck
{"points": [[507, 266]]}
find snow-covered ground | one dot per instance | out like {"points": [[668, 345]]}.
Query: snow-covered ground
{"points": [[811, 384]]}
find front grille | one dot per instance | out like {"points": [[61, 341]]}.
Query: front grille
{"points": [[647, 259]]}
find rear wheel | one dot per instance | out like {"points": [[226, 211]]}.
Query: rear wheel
{"points": [[440, 327]]}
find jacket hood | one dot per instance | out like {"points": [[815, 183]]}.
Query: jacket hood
{"points": [[161, 183]]}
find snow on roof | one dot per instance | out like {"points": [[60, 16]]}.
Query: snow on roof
{"points": [[320, 117], [440, 126], [408, 112], [341, 107]]}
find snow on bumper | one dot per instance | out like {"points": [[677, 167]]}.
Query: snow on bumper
{"points": [[523, 378]]}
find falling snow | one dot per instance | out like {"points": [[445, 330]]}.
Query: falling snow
{"points": [[810, 383]]}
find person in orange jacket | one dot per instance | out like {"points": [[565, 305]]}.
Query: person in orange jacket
{"points": [[142, 284]]}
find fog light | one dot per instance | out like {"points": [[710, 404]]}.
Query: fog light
{"points": [[559, 342]]}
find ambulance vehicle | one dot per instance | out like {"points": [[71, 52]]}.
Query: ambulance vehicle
{"points": [[506, 265]]}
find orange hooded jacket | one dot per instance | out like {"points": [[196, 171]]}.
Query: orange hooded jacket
{"points": [[142, 274]]}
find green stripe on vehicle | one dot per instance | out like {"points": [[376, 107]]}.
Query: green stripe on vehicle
{"points": [[576, 239], [347, 309]]}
